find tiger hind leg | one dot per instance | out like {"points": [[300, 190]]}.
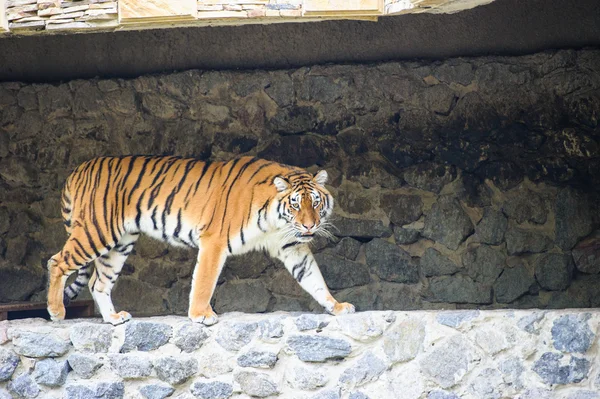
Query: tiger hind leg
{"points": [[74, 289], [107, 270], [211, 259]]}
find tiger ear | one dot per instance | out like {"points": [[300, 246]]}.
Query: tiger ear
{"points": [[281, 183], [321, 177]]}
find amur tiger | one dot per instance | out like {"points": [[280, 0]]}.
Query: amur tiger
{"points": [[220, 208]]}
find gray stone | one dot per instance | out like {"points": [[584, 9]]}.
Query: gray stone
{"points": [[552, 369], [234, 336], [259, 359], [327, 394], [304, 378], [271, 329], [572, 333], [84, 365], [211, 390], [532, 322], [190, 336], [404, 340], [554, 271], [347, 248], [390, 262], [91, 337], [8, 363], [50, 372], [174, 370], [447, 223], [573, 217], [24, 386], [584, 394], [145, 336], [406, 236], [458, 289], [4, 394], [484, 264], [433, 263], [586, 255], [456, 318], [487, 384], [249, 265], [256, 384], [157, 391], [400, 208], [281, 89], [311, 322], [314, 348], [448, 362], [363, 298], [513, 283], [537, 393], [39, 344], [98, 390], [512, 370], [396, 296], [492, 227], [525, 205], [442, 395], [342, 273], [520, 241], [139, 296], [358, 395], [429, 176], [129, 366], [360, 228]]}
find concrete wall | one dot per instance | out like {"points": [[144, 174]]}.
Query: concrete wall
{"points": [[471, 182], [376, 355]]}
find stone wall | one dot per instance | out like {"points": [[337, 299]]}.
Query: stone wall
{"points": [[421, 354], [459, 184]]}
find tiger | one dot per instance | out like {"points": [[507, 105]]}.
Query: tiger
{"points": [[220, 208]]}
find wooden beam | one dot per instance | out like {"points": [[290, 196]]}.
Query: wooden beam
{"points": [[343, 7], [156, 11]]}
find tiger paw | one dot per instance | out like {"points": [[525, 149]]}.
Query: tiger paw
{"points": [[56, 312], [208, 318], [118, 318], [343, 308]]}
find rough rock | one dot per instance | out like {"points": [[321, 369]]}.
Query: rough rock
{"points": [[91, 337], [341, 273], [39, 343], [404, 340], [249, 265], [256, 384], [433, 263], [458, 289], [586, 255], [248, 296], [513, 283], [531, 323], [525, 205], [363, 327], [520, 241], [314, 348], [573, 218], [367, 369], [50, 372], [104, 390], [455, 319], [305, 378], [484, 264], [23, 386], [492, 227], [360, 228], [449, 361], [406, 236], [174, 370], [259, 359], [447, 223], [145, 336], [156, 391], [327, 394], [235, 335], [572, 333], [430, 177], [347, 248], [390, 262], [270, 330], [512, 372], [311, 322], [83, 365], [400, 208], [553, 369], [8, 363], [190, 336], [211, 389], [554, 271], [487, 384], [442, 395], [130, 366]]}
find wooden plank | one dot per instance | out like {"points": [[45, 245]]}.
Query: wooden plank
{"points": [[342, 7], [3, 21], [75, 309], [138, 11]]}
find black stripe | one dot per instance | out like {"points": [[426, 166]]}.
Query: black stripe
{"points": [[240, 172], [204, 169], [242, 235], [138, 209], [154, 217], [228, 242], [261, 167], [138, 180], [178, 228], [290, 244]]}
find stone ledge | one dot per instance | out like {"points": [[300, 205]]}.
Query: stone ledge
{"points": [[445, 354]]}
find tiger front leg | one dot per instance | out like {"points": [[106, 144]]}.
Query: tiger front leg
{"points": [[300, 262], [211, 259]]}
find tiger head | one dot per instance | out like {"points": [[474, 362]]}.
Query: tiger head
{"points": [[305, 204]]}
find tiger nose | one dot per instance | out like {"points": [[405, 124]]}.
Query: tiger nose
{"points": [[308, 227]]}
